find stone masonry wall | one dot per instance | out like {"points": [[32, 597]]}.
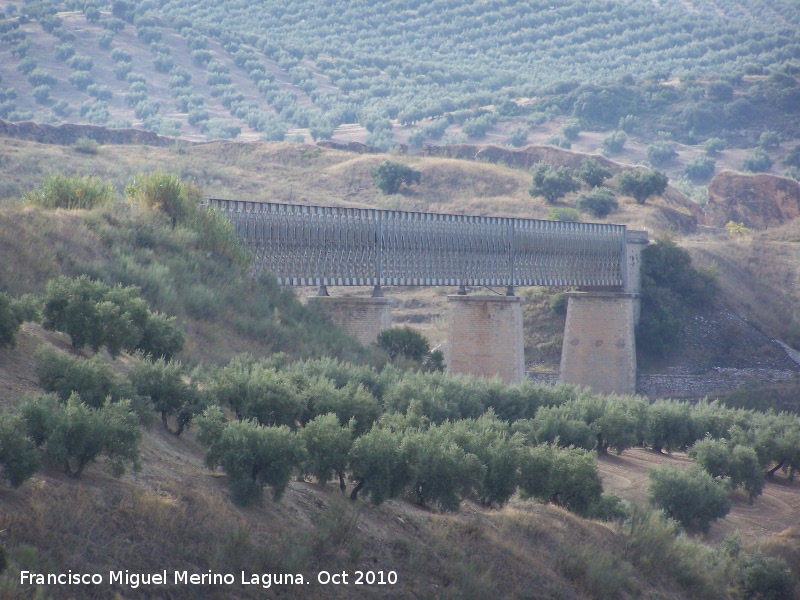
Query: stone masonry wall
{"points": [[599, 349], [485, 337], [363, 318]]}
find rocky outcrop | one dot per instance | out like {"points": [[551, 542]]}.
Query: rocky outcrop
{"points": [[759, 201], [69, 133]]}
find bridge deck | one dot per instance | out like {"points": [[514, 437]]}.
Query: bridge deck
{"points": [[321, 245]]}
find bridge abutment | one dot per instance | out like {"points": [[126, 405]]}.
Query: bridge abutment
{"points": [[364, 318], [485, 337], [599, 349]]}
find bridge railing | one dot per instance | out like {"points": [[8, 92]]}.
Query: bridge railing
{"points": [[323, 245]]}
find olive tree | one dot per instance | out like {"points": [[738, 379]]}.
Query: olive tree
{"points": [[327, 446], [19, 458], [694, 498], [390, 175]]}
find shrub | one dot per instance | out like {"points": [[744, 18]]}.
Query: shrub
{"points": [[567, 477], [694, 498], [641, 184], [571, 129], [552, 183], [517, 138], [660, 152], [628, 124], [599, 202], [714, 146], [92, 379], [39, 77], [71, 192], [254, 456], [769, 139], [615, 141], [403, 341], [759, 162], [765, 577], [567, 215], [82, 434], [80, 62], [700, 168], [26, 65], [81, 80], [12, 314], [592, 173], [327, 446], [85, 145], [390, 175], [19, 458]]}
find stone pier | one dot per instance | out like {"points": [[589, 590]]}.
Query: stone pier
{"points": [[364, 318], [485, 337], [599, 349]]}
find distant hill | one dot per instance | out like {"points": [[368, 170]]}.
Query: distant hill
{"points": [[395, 72]]}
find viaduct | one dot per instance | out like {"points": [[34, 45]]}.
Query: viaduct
{"points": [[328, 246]]}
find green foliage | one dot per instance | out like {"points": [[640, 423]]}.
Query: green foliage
{"points": [[390, 175], [759, 162], [327, 445], [667, 426], [92, 379], [443, 472], [85, 145], [12, 314], [765, 577], [792, 157], [162, 383], [769, 139], [564, 214], [599, 202], [518, 137], [740, 464], [660, 153], [403, 341], [552, 183], [571, 129], [71, 192], [82, 434], [670, 287], [567, 477], [700, 168], [615, 141], [714, 146], [381, 465], [19, 458], [693, 498], [641, 184], [592, 173], [254, 456], [628, 124], [118, 318]]}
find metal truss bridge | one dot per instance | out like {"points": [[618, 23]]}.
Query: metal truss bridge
{"points": [[322, 245]]}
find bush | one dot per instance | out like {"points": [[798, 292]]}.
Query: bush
{"points": [[567, 215], [694, 498], [254, 456], [641, 184], [551, 183], [599, 202], [390, 175], [592, 173], [12, 314], [81, 80], [765, 577], [71, 192], [759, 162], [517, 138], [769, 139], [39, 77], [403, 341], [19, 458], [85, 145], [567, 477], [80, 62], [700, 168], [615, 141], [571, 129], [714, 146], [660, 152], [327, 446], [628, 124], [82, 434]]}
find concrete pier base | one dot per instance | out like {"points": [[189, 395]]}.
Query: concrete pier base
{"points": [[485, 337], [363, 318], [599, 350]]}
